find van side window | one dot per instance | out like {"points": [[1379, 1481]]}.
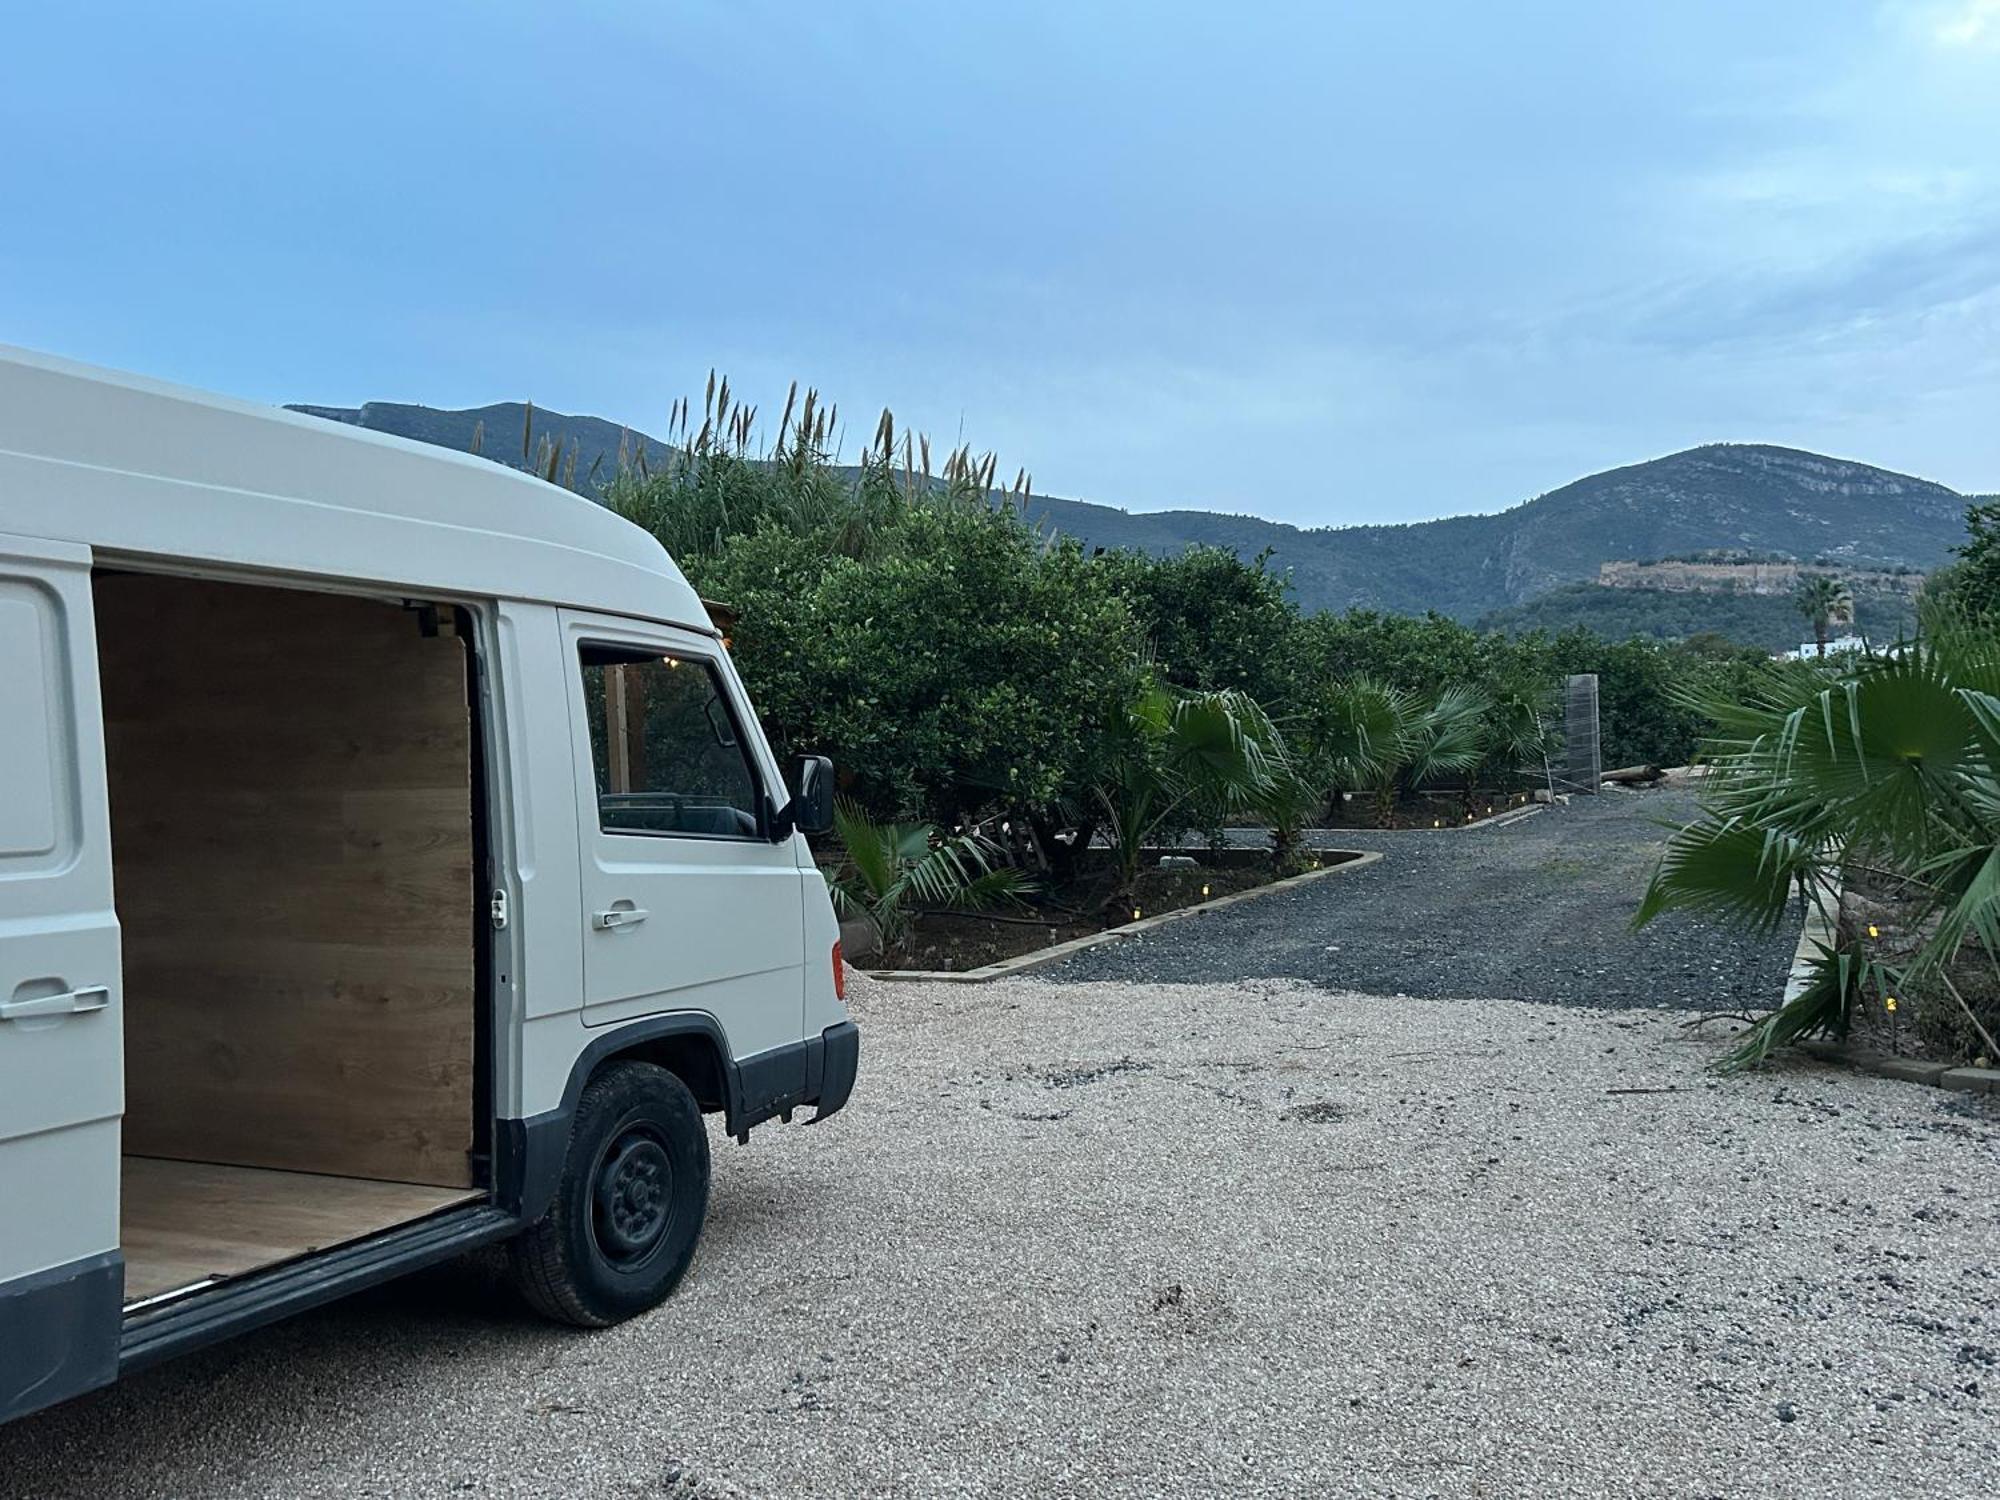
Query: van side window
{"points": [[664, 747]]}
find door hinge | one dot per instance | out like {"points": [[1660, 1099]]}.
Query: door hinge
{"points": [[498, 907]]}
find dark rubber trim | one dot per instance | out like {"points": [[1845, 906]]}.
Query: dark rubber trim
{"points": [[59, 1332], [819, 1070], [840, 1052], [529, 1152], [771, 1083]]}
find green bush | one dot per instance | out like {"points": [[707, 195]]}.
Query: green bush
{"points": [[962, 668], [958, 665], [1214, 622]]}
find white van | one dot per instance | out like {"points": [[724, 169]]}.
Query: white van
{"points": [[390, 864]]}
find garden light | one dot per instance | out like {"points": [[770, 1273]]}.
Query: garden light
{"points": [[1135, 913], [1204, 891], [1890, 1003], [1872, 930]]}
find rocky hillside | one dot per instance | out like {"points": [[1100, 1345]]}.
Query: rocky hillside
{"points": [[1737, 497], [1779, 579], [1743, 498]]}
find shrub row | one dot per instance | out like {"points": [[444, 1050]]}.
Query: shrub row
{"points": [[957, 663]]}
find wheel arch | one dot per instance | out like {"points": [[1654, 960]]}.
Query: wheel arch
{"points": [[689, 1044]]}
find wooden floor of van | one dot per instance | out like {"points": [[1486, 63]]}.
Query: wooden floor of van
{"points": [[189, 1224]]}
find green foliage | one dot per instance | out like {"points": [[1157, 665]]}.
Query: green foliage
{"points": [[1214, 622], [1890, 762], [1384, 740], [957, 664], [1178, 758], [1971, 586], [962, 667], [893, 870], [1824, 600]]}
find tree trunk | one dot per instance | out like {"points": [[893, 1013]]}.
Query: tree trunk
{"points": [[1062, 856], [1284, 849], [1385, 804]]}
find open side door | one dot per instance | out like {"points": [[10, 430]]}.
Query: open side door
{"points": [[61, 1049]]}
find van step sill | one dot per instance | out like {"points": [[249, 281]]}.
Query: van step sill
{"points": [[153, 1333]]}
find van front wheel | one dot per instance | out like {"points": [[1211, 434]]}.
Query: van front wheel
{"points": [[628, 1210]]}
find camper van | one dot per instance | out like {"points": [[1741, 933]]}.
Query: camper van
{"points": [[390, 865]]}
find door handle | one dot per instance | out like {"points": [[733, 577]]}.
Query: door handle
{"points": [[91, 997], [618, 916]]}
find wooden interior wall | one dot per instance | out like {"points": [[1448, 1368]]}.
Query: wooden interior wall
{"points": [[292, 836]]}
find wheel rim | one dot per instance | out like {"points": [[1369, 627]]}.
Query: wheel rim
{"points": [[631, 1197]]}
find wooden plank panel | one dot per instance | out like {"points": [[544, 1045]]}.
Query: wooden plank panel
{"points": [[187, 1223], [291, 825]]}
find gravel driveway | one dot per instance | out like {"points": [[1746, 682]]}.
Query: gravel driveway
{"points": [[1263, 1237], [1539, 909], [1253, 1239]]}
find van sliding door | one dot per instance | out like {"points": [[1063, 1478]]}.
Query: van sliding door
{"points": [[61, 1055]]}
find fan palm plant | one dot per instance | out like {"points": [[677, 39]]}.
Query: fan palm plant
{"points": [[1895, 766], [894, 870], [1823, 600], [1518, 730], [1174, 753], [1386, 739]]}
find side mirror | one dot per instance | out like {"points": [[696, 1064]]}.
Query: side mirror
{"points": [[811, 807]]}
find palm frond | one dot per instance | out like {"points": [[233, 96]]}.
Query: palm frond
{"points": [[870, 852], [1731, 869], [1824, 1007]]}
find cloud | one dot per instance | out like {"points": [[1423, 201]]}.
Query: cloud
{"points": [[1970, 23]]}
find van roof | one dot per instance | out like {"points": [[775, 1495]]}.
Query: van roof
{"points": [[137, 469]]}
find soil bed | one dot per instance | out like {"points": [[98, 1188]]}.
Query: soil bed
{"points": [[1928, 1024], [954, 941], [1438, 809]]}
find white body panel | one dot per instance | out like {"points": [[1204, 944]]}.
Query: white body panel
{"points": [[719, 926], [61, 1051], [111, 470], [134, 467]]}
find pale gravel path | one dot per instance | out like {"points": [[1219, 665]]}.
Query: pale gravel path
{"points": [[1255, 1239]]}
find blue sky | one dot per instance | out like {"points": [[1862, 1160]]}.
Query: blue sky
{"points": [[1322, 262]]}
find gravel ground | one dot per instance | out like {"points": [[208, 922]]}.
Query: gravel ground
{"points": [[1245, 1239], [1539, 909]]}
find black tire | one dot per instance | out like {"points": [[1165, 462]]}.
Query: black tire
{"points": [[628, 1210]]}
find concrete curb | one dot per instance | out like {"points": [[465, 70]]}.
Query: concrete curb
{"points": [[1906, 1069], [1492, 820], [1821, 930], [1044, 956]]}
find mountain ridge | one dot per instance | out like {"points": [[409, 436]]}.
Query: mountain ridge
{"points": [[1752, 497]]}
